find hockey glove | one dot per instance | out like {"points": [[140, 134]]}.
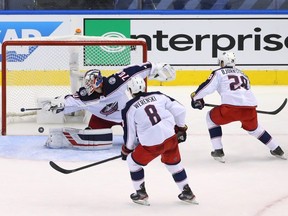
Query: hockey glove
{"points": [[162, 72], [197, 104], [124, 152], [181, 133], [56, 105]]}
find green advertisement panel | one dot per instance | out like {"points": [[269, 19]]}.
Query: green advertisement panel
{"points": [[107, 55]]}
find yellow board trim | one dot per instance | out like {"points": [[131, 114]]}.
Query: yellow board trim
{"points": [[42, 78], [257, 77], [183, 77]]}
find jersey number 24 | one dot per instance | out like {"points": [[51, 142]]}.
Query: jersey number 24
{"points": [[238, 82]]}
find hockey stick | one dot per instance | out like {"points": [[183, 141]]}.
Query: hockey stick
{"points": [[40, 108], [67, 171], [30, 109], [274, 112]]}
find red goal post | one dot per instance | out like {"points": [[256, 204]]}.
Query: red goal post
{"points": [[52, 66]]}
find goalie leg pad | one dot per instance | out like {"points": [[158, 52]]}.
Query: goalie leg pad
{"points": [[56, 139], [98, 139]]}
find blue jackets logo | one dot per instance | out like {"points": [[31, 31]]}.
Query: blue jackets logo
{"points": [[110, 108], [19, 30]]}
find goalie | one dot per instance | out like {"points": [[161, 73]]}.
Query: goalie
{"points": [[104, 98]]}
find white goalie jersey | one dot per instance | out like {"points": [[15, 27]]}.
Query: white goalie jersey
{"points": [[108, 105]]}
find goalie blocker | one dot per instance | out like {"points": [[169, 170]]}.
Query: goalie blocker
{"points": [[98, 139]]}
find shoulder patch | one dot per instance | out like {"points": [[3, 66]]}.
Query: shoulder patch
{"points": [[83, 92], [112, 80]]}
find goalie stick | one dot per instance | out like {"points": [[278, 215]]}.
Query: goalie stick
{"points": [[274, 112], [40, 108], [30, 109], [68, 171]]}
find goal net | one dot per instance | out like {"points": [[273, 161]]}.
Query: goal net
{"points": [[39, 68]]}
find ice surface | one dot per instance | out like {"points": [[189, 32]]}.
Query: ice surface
{"points": [[250, 183]]}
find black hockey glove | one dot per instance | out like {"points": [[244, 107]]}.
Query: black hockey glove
{"points": [[198, 104], [124, 152], [181, 133]]}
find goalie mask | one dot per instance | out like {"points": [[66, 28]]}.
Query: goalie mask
{"points": [[136, 85], [92, 80], [228, 59]]}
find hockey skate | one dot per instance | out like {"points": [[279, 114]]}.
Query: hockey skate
{"points": [[187, 195], [218, 154], [140, 197], [278, 152]]}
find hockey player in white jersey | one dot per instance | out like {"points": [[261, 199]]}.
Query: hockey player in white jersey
{"points": [[104, 97], [238, 103], [152, 116]]}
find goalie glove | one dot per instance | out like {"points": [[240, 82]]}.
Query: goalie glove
{"points": [[124, 152], [162, 72], [56, 105], [197, 104], [181, 133]]}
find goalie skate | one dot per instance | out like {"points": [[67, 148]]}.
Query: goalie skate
{"points": [[218, 155]]}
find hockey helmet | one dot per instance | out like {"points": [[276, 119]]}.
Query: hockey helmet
{"points": [[136, 85], [228, 59]]}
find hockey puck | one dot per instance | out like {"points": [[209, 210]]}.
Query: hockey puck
{"points": [[40, 129], [22, 109]]}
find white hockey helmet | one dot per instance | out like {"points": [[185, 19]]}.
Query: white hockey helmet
{"points": [[136, 85], [92, 80], [228, 59]]}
